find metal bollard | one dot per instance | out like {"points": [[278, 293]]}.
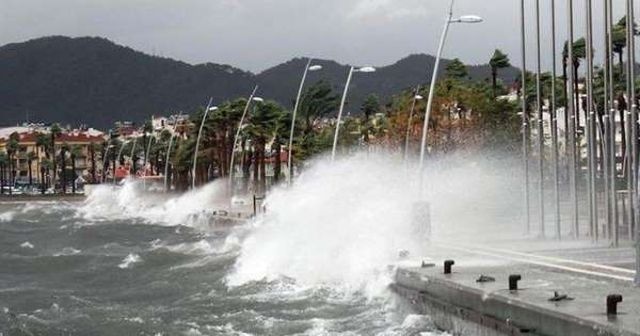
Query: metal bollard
{"points": [[447, 266], [612, 304], [513, 281]]}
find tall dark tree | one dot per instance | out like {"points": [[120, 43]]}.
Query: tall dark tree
{"points": [[498, 61], [619, 39], [63, 167], [45, 169], [93, 148], [13, 145], [4, 160], [261, 129], [317, 102], [31, 156], [369, 108], [54, 132], [456, 69], [75, 152]]}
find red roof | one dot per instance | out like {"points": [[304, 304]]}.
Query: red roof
{"points": [[63, 137]]}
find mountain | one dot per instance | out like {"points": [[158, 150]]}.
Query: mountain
{"points": [[94, 81]]}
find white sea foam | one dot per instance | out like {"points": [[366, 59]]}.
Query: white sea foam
{"points": [[7, 216], [131, 259], [131, 201], [343, 223], [27, 245], [67, 251]]}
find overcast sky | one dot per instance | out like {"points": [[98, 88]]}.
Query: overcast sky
{"points": [[257, 34]]}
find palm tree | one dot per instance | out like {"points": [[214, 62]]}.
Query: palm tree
{"points": [[93, 148], [260, 130], [499, 60], [12, 149], [45, 169], [579, 52], [619, 39], [75, 153], [281, 134], [182, 160], [63, 167], [370, 107], [42, 146], [221, 126], [4, 159], [31, 156], [317, 102], [55, 131]]}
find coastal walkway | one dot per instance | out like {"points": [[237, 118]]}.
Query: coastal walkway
{"points": [[581, 290]]}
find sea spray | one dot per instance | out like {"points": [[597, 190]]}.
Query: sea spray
{"points": [[344, 223], [132, 201]]}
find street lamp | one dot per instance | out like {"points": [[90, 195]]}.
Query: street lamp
{"points": [[308, 68], [366, 69], [195, 154], [252, 97], [416, 97], [449, 20]]}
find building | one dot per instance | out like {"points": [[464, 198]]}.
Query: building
{"points": [[82, 140]]}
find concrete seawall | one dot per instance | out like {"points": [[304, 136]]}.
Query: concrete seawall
{"points": [[463, 306]]}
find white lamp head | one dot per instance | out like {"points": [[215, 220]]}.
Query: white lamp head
{"points": [[213, 108], [258, 99], [367, 69], [418, 97], [315, 67], [469, 19]]}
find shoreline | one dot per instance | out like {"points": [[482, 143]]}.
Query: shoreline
{"points": [[50, 197]]}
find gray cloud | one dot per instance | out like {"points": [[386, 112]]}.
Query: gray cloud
{"points": [[256, 34]]}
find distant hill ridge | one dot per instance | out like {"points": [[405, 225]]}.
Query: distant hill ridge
{"points": [[93, 81]]}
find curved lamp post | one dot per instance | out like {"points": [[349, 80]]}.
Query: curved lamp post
{"points": [[105, 155], [344, 97], [308, 68], [416, 97], [195, 154], [449, 20], [252, 97]]}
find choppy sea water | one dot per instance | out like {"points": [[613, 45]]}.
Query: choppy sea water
{"points": [[319, 262], [72, 269]]}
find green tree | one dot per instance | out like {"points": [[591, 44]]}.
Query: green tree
{"points": [[13, 145], [579, 53], [456, 69], [619, 39], [281, 137], [45, 169], [316, 103], [54, 132], [499, 60], [75, 152], [31, 156], [260, 130], [370, 107], [94, 149], [63, 167], [4, 160]]}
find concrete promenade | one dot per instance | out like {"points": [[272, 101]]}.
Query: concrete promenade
{"points": [[585, 275]]}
